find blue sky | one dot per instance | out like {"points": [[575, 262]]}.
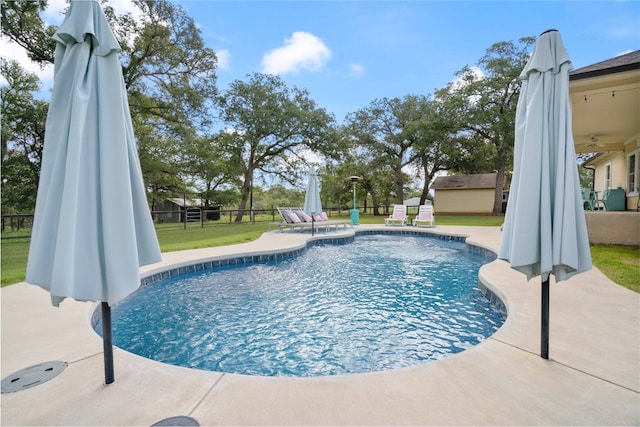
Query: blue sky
{"points": [[348, 53]]}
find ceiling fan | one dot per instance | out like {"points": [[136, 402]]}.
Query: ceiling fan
{"points": [[592, 142]]}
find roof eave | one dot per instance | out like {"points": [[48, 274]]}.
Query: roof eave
{"points": [[604, 71]]}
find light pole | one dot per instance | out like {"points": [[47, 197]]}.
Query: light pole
{"points": [[355, 214]]}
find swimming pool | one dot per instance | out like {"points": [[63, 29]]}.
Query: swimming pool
{"points": [[379, 302]]}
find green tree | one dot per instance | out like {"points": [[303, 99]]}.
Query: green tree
{"points": [[484, 100], [270, 123], [160, 165], [21, 23], [335, 185], [170, 78], [278, 195], [585, 173], [432, 135], [169, 73], [380, 129], [211, 168], [167, 69], [375, 181], [23, 119]]}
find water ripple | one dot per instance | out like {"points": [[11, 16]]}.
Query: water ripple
{"points": [[381, 302]]}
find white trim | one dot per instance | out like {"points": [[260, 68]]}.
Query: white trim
{"points": [[607, 179], [636, 172]]}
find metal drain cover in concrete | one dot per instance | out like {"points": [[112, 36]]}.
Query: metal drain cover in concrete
{"points": [[179, 421], [32, 376]]}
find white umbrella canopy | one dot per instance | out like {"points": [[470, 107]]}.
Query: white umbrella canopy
{"points": [[545, 231], [92, 226], [312, 202]]}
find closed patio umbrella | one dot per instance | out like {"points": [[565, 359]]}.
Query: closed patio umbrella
{"points": [[312, 202], [92, 228], [545, 231]]}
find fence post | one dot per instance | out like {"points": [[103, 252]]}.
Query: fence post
{"points": [[184, 209]]}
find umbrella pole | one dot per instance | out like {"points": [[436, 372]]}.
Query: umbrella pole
{"points": [[544, 326], [312, 221], [107, 343]]}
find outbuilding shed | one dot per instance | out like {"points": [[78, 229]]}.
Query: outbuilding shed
{"points": [[464, 194]]}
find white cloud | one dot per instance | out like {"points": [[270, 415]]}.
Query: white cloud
{"points": [[54, 15], [224, 59], [625, 52], [303, 51], [12, 51], [313, 159], [356, 70], [234, 131], [459, 82]]}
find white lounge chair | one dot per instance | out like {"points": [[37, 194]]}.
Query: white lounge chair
{"points": [[296, 218], [398, 216], [323, 219], [289, 220], [425, 216]]}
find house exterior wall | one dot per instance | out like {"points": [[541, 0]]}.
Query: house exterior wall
{"points": [[618, 162], [464, 201], [633, 201], [618, 171]]}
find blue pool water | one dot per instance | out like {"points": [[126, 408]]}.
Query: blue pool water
{"points": [[377, 303]]}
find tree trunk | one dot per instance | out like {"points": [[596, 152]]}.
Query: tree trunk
{"points": [[497, 202], [376, 204], [246, 188], [399, 182], [425, 189]]}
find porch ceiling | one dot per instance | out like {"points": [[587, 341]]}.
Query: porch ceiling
{"points": [[606, 111]]}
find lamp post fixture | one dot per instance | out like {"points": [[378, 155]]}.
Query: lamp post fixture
{"points": [[355, 214]]}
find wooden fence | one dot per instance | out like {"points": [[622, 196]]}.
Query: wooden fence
{"points": [[19, 225]]}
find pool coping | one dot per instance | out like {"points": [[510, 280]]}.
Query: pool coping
{"points": [[592, 377]]}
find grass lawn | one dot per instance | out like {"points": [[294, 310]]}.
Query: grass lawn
{"points": [[13, 260], [172, 238], [440, 220], [620, 263]]}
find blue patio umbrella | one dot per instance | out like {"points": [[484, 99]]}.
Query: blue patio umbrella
{"points": [[545, 231], [312, 202], [92, 227]]}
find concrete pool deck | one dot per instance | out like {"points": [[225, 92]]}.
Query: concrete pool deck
{"points": [[591, 378]]}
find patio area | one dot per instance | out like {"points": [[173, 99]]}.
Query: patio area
{"points": [[591, 378]]}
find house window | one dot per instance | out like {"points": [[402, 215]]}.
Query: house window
{"points": [[607, 176], [633, 172]]}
